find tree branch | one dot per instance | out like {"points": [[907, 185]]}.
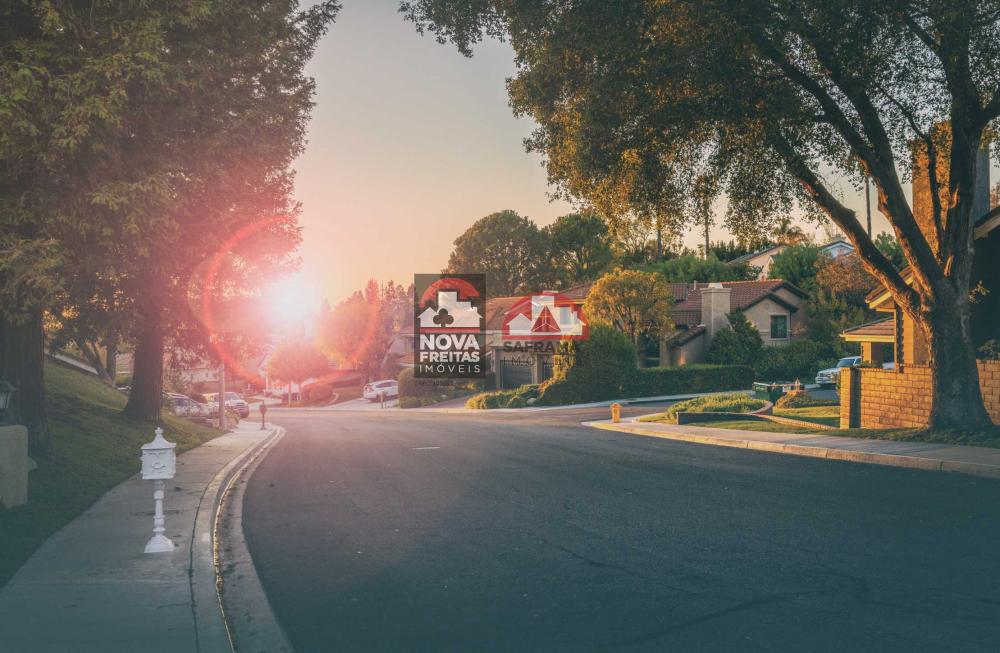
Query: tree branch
{"points": [[877, 162], [874, 260]]}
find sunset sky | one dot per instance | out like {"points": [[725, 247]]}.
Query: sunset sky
{"points": [[409, 144]]}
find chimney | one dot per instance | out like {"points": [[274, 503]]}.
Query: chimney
{"points": [[923, 208], [715, 307]]}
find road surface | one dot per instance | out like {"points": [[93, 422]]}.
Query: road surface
{"points": [[402, 531]]}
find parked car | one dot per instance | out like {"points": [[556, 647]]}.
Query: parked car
{"points": [[234, 402], [389, 388], [828, 378], [184, 406]]}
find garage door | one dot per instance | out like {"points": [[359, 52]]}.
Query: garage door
{"points": [[515, 372]]}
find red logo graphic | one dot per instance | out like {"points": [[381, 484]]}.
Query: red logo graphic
{"points": [[545, 316]]}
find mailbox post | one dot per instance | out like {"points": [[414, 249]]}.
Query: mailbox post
{"points": [[159, 463]]}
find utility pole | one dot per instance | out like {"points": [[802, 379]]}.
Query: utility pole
{"points": [[222, 395], [868, 204]]}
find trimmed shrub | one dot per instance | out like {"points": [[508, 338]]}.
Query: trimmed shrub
{"points": [[410, 402], [730, 402], [601, 367], [737, 344], [802, 399], [503, 398], [800, 359], [688, 379]]}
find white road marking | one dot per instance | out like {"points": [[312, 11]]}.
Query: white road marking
{"points": [[424, 448]]}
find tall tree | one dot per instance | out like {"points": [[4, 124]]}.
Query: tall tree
{"points": [[633, 302], [579, 247], [294, 361], [359, 330], [772, 93], [229, 118], [509, 249], [65, 79]]}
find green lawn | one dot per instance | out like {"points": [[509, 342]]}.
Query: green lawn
{"points": [[728, 402], [830, 415], [94, 448], [827, 415]]}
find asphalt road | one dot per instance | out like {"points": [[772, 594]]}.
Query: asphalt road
{"points": [[528, 532]]}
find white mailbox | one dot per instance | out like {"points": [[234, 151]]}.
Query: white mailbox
{"points": [[159, 463]]}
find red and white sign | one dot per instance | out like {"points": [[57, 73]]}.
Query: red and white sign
{"points": [[545, 316]]}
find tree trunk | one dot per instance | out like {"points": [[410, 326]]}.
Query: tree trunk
{"points": [[146, 396], [22, 363], [111, 359], [956, 399]]}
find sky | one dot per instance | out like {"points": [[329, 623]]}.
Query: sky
{"points": [[409, 144]]}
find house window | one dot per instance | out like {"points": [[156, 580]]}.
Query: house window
{"points": [[779, 327]]}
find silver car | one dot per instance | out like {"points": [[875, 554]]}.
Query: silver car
{"points": [[828, 378]]}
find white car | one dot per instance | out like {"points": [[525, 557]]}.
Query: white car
{"points": [[234, 402], [388, 388], [828, 378]]}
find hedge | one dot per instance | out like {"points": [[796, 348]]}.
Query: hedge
{"points": [[799, 359], [689, 379], [652, 382], [503, 398]]}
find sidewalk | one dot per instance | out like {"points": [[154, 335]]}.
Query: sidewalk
{"points": [[90, 587], [980, 461]]}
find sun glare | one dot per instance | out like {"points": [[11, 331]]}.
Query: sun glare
{"points": [[293, 300]]}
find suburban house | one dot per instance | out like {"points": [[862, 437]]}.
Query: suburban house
{"points": [[776, 307], [900, 397], [763, 258]]}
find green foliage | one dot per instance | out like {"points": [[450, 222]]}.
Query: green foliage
{"points": [[509, 249], [518, 398], [802, 399], [579, 248], [783, 105], [414, 392], [601, 367], [731, 402], [687, 379], [799, 359], [635, 303], [797, 264], [294, 361], [738, 344], [358, 331], [888, 245], [990, 350], [688, 268], [727, 250]]}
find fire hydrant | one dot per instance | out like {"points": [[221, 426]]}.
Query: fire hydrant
{"points": [[616, 413]]}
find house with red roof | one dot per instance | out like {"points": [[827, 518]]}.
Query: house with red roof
{"points": [[776, 307]]}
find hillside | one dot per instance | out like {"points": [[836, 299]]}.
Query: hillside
{"points": [[94, 448]]}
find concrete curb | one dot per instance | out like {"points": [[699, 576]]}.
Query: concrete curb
{"points": [[211, 626], [252, 623], [812, 451], [593, 404]]}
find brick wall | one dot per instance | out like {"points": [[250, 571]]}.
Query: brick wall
{"points": [[879, 399]]}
